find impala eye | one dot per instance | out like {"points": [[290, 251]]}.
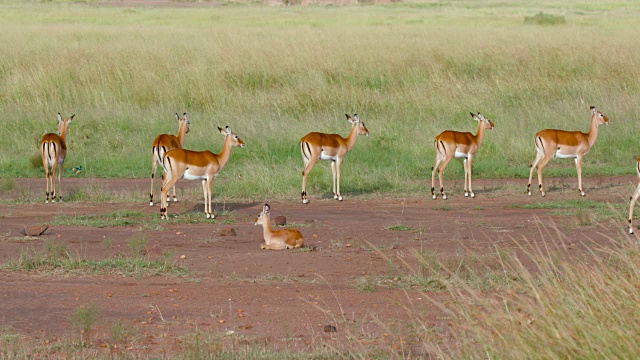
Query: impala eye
{"points": [[235, 137]]}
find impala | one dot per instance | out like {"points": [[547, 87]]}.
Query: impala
{"points": [[565, 144], [332, 147], [53, 148], [165, 142], [635, 196], [196, 165], [278, 239], [450, 144]]}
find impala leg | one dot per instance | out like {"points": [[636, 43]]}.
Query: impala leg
{"points": [[273, 246], [541, 166], [154, 165], [45, 164], [173, 189], [465, 167], [533, 166], [53, 182], [167, 182], [579, 169], [60, 181], [469, 168], [338, 166], [440, 172], [434, 168], [308, 165], [333, 174], [634, 198]]}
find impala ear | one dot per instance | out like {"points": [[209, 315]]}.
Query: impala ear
{"points": [[266, 208], [177, 117], [71, 118], [349, 118], [593, 109], [186, 119], [222, 131], [59, 117], [228, 130], [356, 117]]}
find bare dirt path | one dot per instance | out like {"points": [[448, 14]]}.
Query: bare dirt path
{"points": [[275, 298]]}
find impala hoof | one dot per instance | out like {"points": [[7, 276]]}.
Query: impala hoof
{"points": [[335, 196], [444, 197], [339, 198], [543, 193], [466, 194], [473, 195], [434, 196], [46, 201], [211, 216], [582, 193], [305, 201], [151, 203], [630, 231], [175, 199], [529, 193]]}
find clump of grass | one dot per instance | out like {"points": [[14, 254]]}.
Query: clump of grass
{"points": [[567, 307], [83, 320], [136, 245], [8, 184], [120, 332], [57, 257], [545, 19], [399, 227]]}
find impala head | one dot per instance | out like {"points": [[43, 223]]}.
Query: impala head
{"points": [[184, 119], [263, 218], [488, 124], [63, 122], [600, 117], [235, 140], [355, 122]]}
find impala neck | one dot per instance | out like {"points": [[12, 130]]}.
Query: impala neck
{"points": [[63, 131], [480, 134], [225, 154], [182, 130], [592, 135], [353, 136], [266, 227]]}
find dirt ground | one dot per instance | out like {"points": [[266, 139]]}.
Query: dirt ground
{"points": [[279, 299]]}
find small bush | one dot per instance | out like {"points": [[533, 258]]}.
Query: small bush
{"points": [[545, 19]]}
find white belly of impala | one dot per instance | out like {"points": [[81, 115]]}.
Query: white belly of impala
{"points": [[189, 176], [324, 156], [563, 156], [460, 154]]}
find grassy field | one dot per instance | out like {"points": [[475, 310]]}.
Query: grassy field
{"points": [[273, 74]]}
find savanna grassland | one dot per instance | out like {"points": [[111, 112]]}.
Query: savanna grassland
{"points": [[273, 74], [397, 275]]}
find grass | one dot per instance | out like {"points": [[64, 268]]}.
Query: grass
{"points": [[560, 310], [56, 258], [410, 70], [137, 218], [586, 211], [83, 319]]}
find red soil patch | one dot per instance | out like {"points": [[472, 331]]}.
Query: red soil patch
{"points": [[278, 298]]}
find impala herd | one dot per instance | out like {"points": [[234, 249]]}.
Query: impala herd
{"points": [[179, 163]]}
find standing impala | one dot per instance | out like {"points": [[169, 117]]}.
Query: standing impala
{"points": [[165, 142], [635, 196], [196, 165], [450, 144], [332, 147], [53, 148], [277, 239], [552, 143]]}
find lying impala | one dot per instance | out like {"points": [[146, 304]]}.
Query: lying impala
{"points": [[163, 143], [196, 165], [53, 148], [277, 239], [333, 147], [450, 144], [552, 143], [634, 197]]}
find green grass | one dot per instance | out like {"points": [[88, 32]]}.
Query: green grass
{"points": [[587, 211], [410, 70], [56, 258], [137, 218]]}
